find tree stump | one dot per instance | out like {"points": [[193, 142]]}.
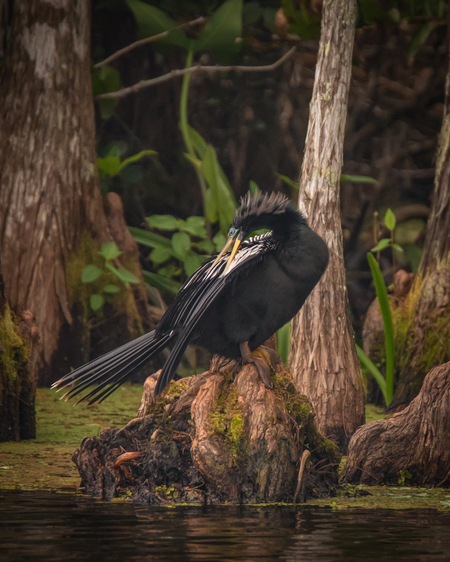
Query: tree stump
{"points": [[412, 446], [213, 438]]}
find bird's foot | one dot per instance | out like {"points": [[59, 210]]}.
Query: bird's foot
{"points": [[261, 360], [274, 358], [264, 370]]}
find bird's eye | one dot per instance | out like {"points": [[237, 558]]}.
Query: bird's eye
{"points": [[231, 232]]}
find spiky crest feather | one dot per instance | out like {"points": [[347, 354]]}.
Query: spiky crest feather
{"points": [[256, 205]]}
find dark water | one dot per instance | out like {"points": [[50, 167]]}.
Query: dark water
{"points": [[43, 526]]}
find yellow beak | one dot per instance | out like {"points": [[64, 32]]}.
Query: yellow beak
{"points": [[233, 253], [224, 250]]}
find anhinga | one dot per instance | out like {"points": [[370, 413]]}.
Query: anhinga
{"points": [[231, 305]]}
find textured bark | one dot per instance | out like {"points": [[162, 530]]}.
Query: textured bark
{"points": [[436, 250], [50, 196], [428, 329], [214, 438], [428, 334], [19, 340], [49, 188], [323, 357], [416, 441]]}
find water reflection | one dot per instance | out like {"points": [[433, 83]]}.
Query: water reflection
{"points": [[43, 526]]}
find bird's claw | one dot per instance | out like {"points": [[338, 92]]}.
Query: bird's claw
{"points": [[264, 371], [261, 360]]}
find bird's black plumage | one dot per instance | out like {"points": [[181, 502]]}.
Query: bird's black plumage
{"points": [[228, 301]]}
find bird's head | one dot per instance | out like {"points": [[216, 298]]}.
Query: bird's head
{"points": [[255, 212]]}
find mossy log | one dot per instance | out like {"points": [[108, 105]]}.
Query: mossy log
{"points": [[412, 446], [213, 438]]}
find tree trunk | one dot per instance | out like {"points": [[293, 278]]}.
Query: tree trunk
{"points": [[213, 438], [429, 328], [50, 199], [422, 319], [412, 446], [322, 355], [18, 372]]}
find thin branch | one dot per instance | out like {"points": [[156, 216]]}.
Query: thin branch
{"points": [[182, 71], [136, 44]]}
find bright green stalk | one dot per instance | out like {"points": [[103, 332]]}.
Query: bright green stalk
{"points": [[283, 337], [389, 342], [184, 125], [365, 360]]}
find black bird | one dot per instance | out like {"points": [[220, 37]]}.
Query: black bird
{"points": [[231, 305]]}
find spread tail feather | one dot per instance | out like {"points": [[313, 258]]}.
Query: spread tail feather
{"points": [[112, 369]]}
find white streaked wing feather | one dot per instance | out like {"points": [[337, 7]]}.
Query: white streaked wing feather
{"points": [[211, 278]]}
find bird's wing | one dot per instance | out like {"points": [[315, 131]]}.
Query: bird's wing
{"points": [[209, 280], [201, 290]]}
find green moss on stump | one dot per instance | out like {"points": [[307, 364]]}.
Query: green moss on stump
{"points": [[227, 421]]}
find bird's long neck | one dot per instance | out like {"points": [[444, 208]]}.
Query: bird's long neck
{"points": [[298, 245], [288, 227]]}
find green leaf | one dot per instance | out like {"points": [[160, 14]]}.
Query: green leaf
{"points": [[169, 271], [389, 342], [219, 241], [382, 244], [160, 254], [195, 226], [211, 206], [366, 361], [445, 503], [110, 251], [205, 246], [288, 181], [398, 248], [192, 263], [181, 244], [104, 80], [108, 166], [123, 274], [253, 187], [96, 301], [196, 162], [222, 30], [161, 283], [389, 220], [414, 254], [163, 222], [111, 289], [90, 273], [221, 198], [198, 141], [152, 20], [251, 12], [136, 157], [150, 239], [358, 179], [117, 149], [126, 276], [421, 37]]}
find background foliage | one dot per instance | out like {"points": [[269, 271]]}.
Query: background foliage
{"points": [[218, 134]]}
